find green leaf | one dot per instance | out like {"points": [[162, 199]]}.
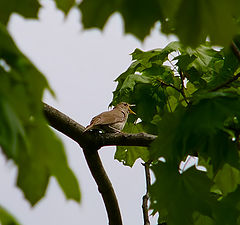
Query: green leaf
{"points": [[174, 194], [191, 21], [144, 100], [6, 218], [138, 22], [96, 13], [227, 179], [46, 158], [127, 86], [11, 130], [228, 210], [27, 8], [227, 70], [144, 57], [199, 65], [205, 18], [65, 5], [132, 80], [171, 47], [199, 128], [202, 220], [129, 154]]}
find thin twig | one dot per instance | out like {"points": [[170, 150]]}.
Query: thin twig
{"points": [[146, 196], [182, 87], [179, 90], [235, 50], [182, 79], [234, 78], [168, 85]]}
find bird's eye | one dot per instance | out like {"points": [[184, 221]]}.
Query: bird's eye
{"points": [[125, 104]]}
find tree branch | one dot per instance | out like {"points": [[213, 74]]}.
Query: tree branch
{"points": [[74, 130], [234, 78], [181, 91], [63, 123], [104, 185], [146, 196], [235, 50], [182, 87], [91, 142]]}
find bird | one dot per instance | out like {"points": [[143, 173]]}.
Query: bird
{"points": [[112, 121]]}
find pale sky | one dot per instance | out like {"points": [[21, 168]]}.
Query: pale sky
{"points": [[80, 67]]}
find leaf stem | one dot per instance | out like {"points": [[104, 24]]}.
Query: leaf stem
{"points": [[182, 87], [181, 91]]}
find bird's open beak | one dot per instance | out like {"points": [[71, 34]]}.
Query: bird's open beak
{"points": [[130, 110]]}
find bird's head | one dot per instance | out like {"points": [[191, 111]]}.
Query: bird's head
{"points": [[125, 107]]}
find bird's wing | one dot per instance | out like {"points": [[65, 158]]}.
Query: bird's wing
{"points": [[110, 117], [95, 121], [105, 118]]}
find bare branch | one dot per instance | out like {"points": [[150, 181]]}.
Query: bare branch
{"points": [[91, 142], [125, 139], [104, 186], [169, 85], [74, 130], [146, 196], [182, 87], [63, 123]]}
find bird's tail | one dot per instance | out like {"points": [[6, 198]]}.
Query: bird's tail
{"points": [[89, 127]]}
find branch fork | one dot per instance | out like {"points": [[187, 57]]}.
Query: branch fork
{"points": [[91, 142]]}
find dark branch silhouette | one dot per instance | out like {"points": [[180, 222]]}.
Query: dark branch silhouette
{"points": [[146, 196]]}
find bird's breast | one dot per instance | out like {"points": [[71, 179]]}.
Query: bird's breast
{"points": [[119, 125]]}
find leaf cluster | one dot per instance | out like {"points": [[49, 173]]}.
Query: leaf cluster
{"points": [[190, 99], [25, 136], [191, 21]]}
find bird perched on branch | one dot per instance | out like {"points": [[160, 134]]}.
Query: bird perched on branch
{"points": [[111, 121]]}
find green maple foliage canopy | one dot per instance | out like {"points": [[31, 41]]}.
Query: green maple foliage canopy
{"points": [[188, 94], [192, 101]]}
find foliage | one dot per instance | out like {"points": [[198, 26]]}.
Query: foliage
{"points": [[6, 218], [190, 99], [25, 136], [191, 21]]}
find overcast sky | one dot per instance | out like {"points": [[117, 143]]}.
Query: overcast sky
{"points": [[80, 67]]}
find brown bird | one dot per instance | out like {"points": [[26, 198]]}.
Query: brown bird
{"points": [[111, 121]]}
